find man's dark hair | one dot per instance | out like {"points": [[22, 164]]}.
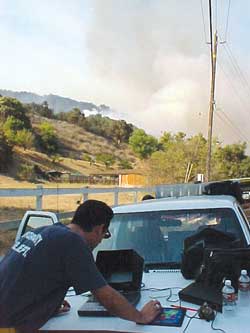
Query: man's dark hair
{"points": [[147, 197], [92, 213]]}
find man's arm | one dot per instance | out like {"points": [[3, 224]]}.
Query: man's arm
{"points": [[116, 304]]}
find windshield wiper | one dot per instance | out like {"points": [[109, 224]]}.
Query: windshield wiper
{"points": [[161, 265]]}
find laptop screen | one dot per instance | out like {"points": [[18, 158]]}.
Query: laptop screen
{"points": [[122, 269], [120, 277]]}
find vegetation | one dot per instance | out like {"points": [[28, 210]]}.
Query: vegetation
{"points": [[75, 116], [42, 110], [16, 133], [125, 164], [5, 152], [88, 158], [107, 159], [47, 138], [181, 159], [26, 172], [11, 107], [231, 161], [174, 158], [117, 130], [143, 144], [121, 131]]}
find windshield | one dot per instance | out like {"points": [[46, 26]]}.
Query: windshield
{"points": [[158, 236]]}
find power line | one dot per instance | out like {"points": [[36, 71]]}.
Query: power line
{"points": [[237, 133], [244, 107], [238, 75], [233, 66], [211, 32], [236, 129], [218, 115], [237, 66], [216, 14], [203, 20], [227, 21]]}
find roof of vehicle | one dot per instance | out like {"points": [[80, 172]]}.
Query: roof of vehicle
{"points": [[176, 203]]}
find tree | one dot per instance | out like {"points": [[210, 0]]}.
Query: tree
{"points": [[11, 107], [165, 140], [107, 159], [125, 164], [75, 116], [168, 166], [121, 131], [55, 159], [231, 162], [26, 172], [16, 134], [196, 153], [42, 110], [5, 152], [99, 125], [10, 127], [47, 138], [24, 138], [87, 158], [143, 144], [180, 158]]}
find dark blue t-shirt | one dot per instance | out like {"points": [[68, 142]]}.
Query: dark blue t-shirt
{"points": [[37, 272]]}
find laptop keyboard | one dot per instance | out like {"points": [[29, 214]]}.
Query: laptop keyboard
{"points": [[93, 308], [130, 296]]}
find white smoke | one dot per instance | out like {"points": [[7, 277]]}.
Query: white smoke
{"points": [[151, 62]]}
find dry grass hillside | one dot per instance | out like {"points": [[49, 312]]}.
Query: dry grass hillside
{"points": [[74, 142]]}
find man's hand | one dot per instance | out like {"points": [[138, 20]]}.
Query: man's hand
{"points": [[150, 311], [119, 306], [65, 307]]}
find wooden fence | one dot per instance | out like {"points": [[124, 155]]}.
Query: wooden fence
{"points": [[159, 191], [40, 192]]}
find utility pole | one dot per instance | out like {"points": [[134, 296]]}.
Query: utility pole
{"points": [[212, 101], [211, 109]]}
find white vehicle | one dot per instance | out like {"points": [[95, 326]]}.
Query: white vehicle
{"points": [[156, 229]]}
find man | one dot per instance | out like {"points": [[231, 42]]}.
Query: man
{"points": [[147, 197], [37, 272]]}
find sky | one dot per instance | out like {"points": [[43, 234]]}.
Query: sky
{"points": [[149, 60]]}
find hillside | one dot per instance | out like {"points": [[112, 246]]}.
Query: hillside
{"points": [[55, 102], [74, 142]]}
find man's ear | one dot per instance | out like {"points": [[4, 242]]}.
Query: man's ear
{"points": [[98, 229]]}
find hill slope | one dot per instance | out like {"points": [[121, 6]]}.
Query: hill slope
{"points": [[55, 102], [74, 142]]}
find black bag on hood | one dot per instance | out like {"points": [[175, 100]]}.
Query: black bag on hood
{"points": [[194, 246]]}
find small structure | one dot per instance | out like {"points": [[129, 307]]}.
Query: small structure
{"points": [[54, 174], [123, 178], [74, 178], [132, 178]]}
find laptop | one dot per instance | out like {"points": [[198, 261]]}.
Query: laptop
{"points": [[198, 293], [123, 271], [205, 288]]}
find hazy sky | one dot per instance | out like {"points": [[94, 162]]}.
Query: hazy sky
{"points": [[147, 59]]}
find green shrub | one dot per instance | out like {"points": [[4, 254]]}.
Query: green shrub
{"points": [[5, 152], [26, 172], [87, 158], [107, 159], [125, 164], [47, 139]]}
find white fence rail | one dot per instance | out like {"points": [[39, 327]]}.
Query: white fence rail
{"points": [[40, 192]]}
